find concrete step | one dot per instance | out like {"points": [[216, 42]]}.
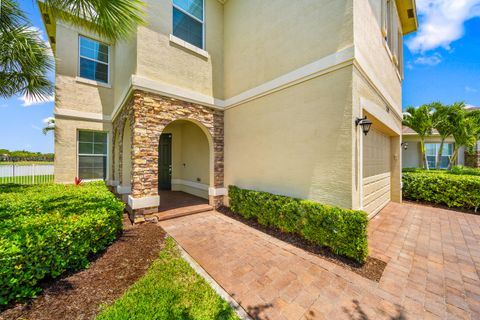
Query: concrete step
{"points": [[183, 211]]}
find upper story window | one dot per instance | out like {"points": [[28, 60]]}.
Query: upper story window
{"points": [[392, 31], [94, 60], [188, 21]]}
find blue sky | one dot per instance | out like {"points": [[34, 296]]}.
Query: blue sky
{"points": [[442, 63]]}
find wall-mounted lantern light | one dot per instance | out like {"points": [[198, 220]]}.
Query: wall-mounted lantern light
{"points": [[365, 123], [404, 145]]}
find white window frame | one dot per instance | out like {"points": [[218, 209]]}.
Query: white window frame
{"points": [[94, 60], [195, 18], [393, 37], [437, 146], [107, 169]]}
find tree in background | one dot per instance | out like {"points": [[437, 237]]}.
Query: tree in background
{"points": [[443, 121], [465, 130], [25, 59], [50, 125], [420, 120]]}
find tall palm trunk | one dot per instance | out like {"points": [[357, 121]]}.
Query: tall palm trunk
{"points": [[424, 154], [454, 156], [439, 155]]}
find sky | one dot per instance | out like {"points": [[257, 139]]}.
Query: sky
{"points": [[442, 63]]}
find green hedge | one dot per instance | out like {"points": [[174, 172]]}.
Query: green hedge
{"points": [[48, 229], [460, 191], [343, 231]]}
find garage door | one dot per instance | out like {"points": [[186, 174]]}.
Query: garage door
{"points": [[376, 171]]}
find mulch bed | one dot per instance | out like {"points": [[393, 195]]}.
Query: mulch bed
{"points": [[372, 269], [80, 295]]}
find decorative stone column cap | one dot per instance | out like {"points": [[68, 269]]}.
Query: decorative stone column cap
{"points": [[144, 202]]}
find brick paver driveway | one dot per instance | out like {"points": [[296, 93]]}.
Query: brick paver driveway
{"points": [[433, 267]]}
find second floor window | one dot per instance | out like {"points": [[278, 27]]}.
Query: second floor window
{"points": [[392, 32], [94, 60], [188, 21]]}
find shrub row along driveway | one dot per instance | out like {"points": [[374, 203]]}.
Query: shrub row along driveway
{"points": [[433, 258]]}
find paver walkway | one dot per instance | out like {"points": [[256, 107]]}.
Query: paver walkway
{"points": [[433, 267]]}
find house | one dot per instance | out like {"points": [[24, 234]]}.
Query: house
{"points": [[264, 95], [412, 155]]}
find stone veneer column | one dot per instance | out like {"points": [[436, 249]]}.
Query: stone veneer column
{"points": [[149, 114]]}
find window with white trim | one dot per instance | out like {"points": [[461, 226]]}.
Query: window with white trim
{"points": [[431, 150], [94, 60], [92, 155], [188, 21], [392, 32]]}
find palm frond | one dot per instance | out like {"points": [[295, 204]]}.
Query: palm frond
{"points": [[25, 59], [24, 63], [112, 19]]}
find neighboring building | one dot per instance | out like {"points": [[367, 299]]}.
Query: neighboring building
{"points": [[259, 94], [412, 154]]}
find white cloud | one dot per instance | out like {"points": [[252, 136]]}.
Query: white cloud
{"points": [[428, 60], [470, 89], [28, 101], [442, 22], [470, 107]]}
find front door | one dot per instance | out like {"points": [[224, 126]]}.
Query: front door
{"points": [[165, 162]]}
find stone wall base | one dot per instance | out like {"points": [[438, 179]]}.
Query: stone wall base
{"points": [[142, 215], [215, 201]]}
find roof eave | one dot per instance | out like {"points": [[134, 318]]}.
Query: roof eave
{"points": [[407, 12]]}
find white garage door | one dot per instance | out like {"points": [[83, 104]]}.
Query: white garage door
{"points": [[376, 171]]}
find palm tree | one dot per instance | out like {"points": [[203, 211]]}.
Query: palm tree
{"points": [[420, 120], [25, 59], [49, 126], [465, 130], [442, 120]]}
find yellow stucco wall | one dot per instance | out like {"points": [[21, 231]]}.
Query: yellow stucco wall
{"points": [[66, 161], [371, 45], [190, 157], [295, 142], [175, 65], [264, 39], [72, 94]]}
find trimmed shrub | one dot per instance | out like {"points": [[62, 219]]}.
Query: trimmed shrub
{"points": [[456, 191], [344, 231], [46, 230], [465, 171]]}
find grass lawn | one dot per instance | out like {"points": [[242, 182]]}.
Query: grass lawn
{"points": [[27, 179], [170, 289]]}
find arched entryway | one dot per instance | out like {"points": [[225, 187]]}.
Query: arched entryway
{"points": [[185, 158], [150, 115]]}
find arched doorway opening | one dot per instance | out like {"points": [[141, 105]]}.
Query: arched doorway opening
{"points": [[185, 161]]}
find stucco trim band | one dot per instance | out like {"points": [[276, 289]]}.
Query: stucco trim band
{"points": [[326, 64], [113, 183], [366, 72], [217, 191], [192, 184], [124, 189], [144, 202], [380, 112], [81, 115]]}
